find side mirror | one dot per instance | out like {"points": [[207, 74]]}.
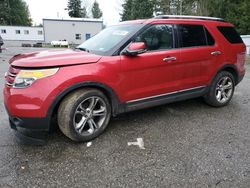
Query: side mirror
{"points": [[136, 48]]}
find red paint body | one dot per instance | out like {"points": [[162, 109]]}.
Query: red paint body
{"points": [[137, 46], [130, 78]]}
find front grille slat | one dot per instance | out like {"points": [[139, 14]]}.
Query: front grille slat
{"points": [[9, 84], [11, 75]]}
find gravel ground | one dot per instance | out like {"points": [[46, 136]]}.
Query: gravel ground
{"points": [[187, 144]]}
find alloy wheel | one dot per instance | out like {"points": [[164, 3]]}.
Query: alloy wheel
{"points": [[224, 89], [90, 115]]}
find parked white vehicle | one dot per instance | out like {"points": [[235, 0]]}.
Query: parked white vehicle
{"points": [[1, 43], [60, 43]]}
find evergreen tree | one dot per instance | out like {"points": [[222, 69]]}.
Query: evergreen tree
{"points": [[143, 9], [14, 12], [136, 9], [234, 11], [96, 11], [75, 10], [174, 7], [84, 12], [127, 10], [243, 19], [162, 7]]}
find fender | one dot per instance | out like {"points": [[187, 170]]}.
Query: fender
{"points": [[233, 70], [115, 101]]}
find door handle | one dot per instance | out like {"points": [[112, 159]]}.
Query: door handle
{"points": [[216, 53], [167, 59]]}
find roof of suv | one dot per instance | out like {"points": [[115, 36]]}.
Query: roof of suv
{"points": [[178, 18]]}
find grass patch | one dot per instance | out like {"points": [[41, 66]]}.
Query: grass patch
{"points": [[248, 59]]}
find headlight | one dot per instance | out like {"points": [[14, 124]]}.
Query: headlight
{"points": [[26, 78]]}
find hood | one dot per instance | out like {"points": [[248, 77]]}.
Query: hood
{"points": [[53, 58]]}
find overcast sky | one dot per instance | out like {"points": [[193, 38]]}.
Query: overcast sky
{"points": [[40, 9]]}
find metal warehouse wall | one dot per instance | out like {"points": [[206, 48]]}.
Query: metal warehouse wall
{"points": [[26, 33], [246, 39], [56, 29]]}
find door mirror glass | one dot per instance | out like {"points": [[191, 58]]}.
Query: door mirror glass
{"points": [[136, 48]]}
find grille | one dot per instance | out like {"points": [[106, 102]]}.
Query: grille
{"points": [[10, 76]]}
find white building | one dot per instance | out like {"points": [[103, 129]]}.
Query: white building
{"points": [[21, 33], [246, 39], [74, 30]]}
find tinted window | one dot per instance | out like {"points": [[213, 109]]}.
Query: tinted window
{"points": [[39, 32], [78, 37], [26, 32], [87, 36], [230, 34], [192, 35], [157, 37], [210, 39]]}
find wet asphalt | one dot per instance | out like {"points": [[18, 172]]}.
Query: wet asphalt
{"points": [[187, 144]]}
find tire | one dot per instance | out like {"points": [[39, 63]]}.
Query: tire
{"points": [[223, 84], [84, 115]]}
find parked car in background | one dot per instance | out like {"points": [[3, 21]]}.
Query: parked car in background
{"points": [[130, 66], [60, 43], [38, 45], [1, 43]]}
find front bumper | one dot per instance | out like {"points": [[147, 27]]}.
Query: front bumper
{"points": [[30, 130], [35, 124]]}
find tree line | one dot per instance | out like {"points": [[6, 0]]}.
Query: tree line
{"points": [[77, 10], [16, 12], [234, 11]]}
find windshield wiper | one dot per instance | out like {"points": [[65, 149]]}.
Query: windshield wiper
{"points": [[82, 49]]}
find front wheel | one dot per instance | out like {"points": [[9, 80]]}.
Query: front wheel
{"points": [[221, 90], [84, 114]]}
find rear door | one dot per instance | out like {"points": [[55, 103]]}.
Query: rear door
{"points": [[198, 53]]}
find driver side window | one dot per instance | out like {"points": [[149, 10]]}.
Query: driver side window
{"points": [[157, 37]]}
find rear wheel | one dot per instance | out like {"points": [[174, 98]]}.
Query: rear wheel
{"points": [[221, 90], [84, 114]]}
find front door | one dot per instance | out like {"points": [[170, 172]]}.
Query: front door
{"points": [[156, 72]]}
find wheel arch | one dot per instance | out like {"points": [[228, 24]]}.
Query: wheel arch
{"points": [[232, 69], [108, 91]]}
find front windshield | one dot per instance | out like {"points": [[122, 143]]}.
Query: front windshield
{"points": [[108, 38]]}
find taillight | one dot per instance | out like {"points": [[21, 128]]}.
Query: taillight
{"points": [[241, 59]]}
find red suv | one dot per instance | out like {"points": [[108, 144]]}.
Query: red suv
{"points": [[126, 67]]}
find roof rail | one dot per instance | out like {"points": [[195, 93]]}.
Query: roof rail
{"points": [[188, 17]]}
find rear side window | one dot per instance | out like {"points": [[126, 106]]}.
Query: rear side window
{"points": [[210, 39], [192, 35], [230, 34]]}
